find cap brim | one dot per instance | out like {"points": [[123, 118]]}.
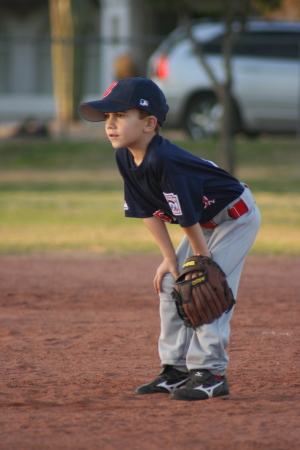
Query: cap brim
{"points": [[95, 111], [90, 114]]}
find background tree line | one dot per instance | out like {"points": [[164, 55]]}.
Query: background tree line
{"points": [[68, 20]]}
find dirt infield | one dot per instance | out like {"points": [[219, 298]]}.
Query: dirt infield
{"points": [[78, 335]]}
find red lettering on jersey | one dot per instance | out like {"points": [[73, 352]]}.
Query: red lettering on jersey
{"points": [[108, 91], [160, 214], [207, 202]]}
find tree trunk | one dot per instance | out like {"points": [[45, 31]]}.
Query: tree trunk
{"points": [[222, 91], [68, 19], [227, 150]]}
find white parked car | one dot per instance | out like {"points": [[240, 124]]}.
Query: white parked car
{"points": [[265, 73]]}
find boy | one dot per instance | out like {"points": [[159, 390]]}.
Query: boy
{"points": [[164, 183]]}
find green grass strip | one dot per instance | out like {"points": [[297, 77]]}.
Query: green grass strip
{"points": [[94, 222]]}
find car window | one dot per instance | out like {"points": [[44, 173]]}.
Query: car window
{"points": [[260, 44], [274, 45]]}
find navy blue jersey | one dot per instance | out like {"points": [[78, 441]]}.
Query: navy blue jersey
{"points": [[174, 185]]}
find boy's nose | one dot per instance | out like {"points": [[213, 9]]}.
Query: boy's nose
{"points": [[110, 122]]}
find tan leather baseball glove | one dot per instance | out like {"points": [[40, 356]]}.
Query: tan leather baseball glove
{"points": [[201, 291]]}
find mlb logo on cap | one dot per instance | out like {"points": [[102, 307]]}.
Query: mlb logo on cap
{"points": [[144, 102]]}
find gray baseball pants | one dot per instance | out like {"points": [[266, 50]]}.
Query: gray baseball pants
{"points": [[205, 347]]}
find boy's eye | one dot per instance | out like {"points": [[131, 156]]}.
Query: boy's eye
{"points": [[108, 115]]}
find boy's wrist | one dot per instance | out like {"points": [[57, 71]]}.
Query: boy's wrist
{"points": [[170, 257], [203, 254]]}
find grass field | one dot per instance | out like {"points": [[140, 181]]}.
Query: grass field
{"points": [[68, 197]]}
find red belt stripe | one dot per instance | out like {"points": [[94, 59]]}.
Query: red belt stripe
{"points": [[237, 210]]}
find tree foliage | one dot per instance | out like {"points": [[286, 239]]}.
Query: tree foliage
{"points": [[229, 12]]}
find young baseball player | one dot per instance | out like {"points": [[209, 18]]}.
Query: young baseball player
{"points": [[165, 184]]}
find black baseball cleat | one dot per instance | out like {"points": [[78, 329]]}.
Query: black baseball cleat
{"points": [[168, 379], [202, 385]]}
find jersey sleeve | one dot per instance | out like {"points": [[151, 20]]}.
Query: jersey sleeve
{"points": [[184, 195], [135, 205]]}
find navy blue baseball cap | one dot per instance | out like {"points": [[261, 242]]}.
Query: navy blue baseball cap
{"points": [[127, 93]]}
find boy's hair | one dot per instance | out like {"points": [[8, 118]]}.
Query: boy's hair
{"points": [[143, 114]]}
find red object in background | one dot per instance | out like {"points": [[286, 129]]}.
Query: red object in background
{"points": [[163, 67]]}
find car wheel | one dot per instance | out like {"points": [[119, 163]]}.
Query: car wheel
{"points": [[203, 117]]}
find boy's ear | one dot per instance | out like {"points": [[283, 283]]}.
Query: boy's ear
{"points": [[151, 123]]}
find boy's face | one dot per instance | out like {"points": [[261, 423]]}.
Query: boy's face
{"points": [[126, 129]]}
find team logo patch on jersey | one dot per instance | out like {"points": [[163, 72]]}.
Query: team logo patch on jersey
{"points": [[144, 102], [174, 204], [126, 207]]}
